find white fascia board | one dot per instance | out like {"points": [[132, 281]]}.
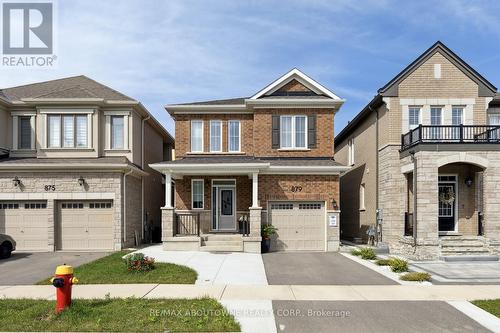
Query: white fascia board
{"points": [[185, 107], [280, 102], [62, 100], [71, 166], [207, 168], [301, 77], [308, 170]]}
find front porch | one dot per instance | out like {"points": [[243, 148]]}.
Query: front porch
{"points": [[456, 201]]}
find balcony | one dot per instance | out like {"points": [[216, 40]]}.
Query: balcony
{"points": [[450, 134]]}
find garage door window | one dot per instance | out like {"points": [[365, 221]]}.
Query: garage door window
{"points": [[99, 205], [9, 206], [72, 205], [282, 206], [310, 206], [35, 205]]}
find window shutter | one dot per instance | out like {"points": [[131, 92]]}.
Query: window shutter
{"points": [[311, 131], [276, 132]]}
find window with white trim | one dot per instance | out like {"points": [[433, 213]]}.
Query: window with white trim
{"points": [[413, 117], [293, 132], [234, 136], [24, 132], [117, 132], [197, 136], [67, 131], [197, 194], [362, 197], [350, 152], [215, 136]]}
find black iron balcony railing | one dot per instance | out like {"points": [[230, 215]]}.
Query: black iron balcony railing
{"points": [[187, 224], [450, 134]]}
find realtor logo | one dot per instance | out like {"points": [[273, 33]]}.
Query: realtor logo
{"points": [[28, 29]]}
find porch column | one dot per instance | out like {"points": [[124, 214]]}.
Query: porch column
{"points": [[255, 190], [168, 190]]}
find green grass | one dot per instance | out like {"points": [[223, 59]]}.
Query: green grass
{"points": [[416, 276], [490, 305], [117, 315], [112, 270]]}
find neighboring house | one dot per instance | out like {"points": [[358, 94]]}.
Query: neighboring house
{"points": [[425, 153], [74, 172], [264, 159]]}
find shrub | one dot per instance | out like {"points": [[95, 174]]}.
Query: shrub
{"points": [[138, 262], [399, 265], [356, 252], [383, 262], [416, 276], [367, 253]]}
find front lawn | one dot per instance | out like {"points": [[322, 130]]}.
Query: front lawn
{"points": [[117, 315], [112, 270], [490, 305]]}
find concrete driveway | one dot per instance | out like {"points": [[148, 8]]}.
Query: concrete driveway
{"points": [[318, 268], [29, 268], [466, 272], [371, 316]]}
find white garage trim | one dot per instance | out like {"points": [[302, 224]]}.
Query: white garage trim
{"points": [[58, 196]]}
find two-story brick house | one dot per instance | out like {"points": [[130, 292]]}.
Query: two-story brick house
{"points": [[74, 171], [267, 158], [426, 162]]}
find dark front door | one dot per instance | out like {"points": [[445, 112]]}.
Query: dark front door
{"points": [[447, 204]]}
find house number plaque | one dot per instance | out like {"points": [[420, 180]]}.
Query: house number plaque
{"points": [[50, 188], [296, 188]]}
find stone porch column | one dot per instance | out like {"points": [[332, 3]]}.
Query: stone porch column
{"points": [[167, 223], [255, 221]]}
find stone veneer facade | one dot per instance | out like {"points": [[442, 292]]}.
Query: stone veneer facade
{"points": [[98, 186]]}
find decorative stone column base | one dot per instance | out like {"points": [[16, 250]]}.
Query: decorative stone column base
{"points": [[167, 223], [255, 221]]}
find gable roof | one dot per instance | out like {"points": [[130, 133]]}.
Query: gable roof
{"points": [[486, 88], [297, 75], [70, 87]]}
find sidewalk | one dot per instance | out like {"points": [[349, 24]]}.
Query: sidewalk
{"points": [[270, 292]]}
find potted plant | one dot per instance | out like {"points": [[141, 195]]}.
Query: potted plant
{"points": [[267, 231]]}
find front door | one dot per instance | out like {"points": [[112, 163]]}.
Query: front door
{"points": [[226, 209], [447, 205]]}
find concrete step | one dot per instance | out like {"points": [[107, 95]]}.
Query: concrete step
{"points": [[461, 238], [470, 258], [222, 248], [464, 253], [221, 237], [222, 243], [462, 244]]}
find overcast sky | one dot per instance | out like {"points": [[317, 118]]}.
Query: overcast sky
{"points": [[164, 52]]}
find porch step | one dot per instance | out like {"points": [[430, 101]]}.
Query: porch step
{"points": [[464, 251], [221, 237], [468, 247], [222, 248], [470, 258], [465, 243], [222, 243]]}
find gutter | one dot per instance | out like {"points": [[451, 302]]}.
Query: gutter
{"points": [[71, 166], [142, 178]]}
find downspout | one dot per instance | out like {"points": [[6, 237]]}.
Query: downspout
{"points": [[125, 204], [142, 178], [414, 160], [377, 220]]}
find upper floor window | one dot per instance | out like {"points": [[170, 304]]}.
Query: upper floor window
{"points": [[67, 131], [413, 117], [117, 132], [457, 115], [350, 151], [197, 135], [233, 133], [24, 132], [436, 115], [215, 136], [293, 132]]}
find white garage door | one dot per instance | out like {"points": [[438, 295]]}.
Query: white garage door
{"points": [[301, 226], [27, 223], [85, 225]]}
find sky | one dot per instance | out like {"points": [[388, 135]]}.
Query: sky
{"points": [[167, 52]]}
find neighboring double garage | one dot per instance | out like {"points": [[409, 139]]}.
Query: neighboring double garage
{"points": [[79, 225], [301, 225]]}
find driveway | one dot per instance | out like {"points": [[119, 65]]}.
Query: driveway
{"points": [[318, 268], [29, 268], [371, 316], [468, 272], [215, 268]]}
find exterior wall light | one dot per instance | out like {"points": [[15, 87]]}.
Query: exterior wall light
{"points": [[468, 181], [16, 181], [81, 181], [335, 205]]}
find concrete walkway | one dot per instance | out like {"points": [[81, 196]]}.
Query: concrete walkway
{"points": [[270, 292], [235, 268]]}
